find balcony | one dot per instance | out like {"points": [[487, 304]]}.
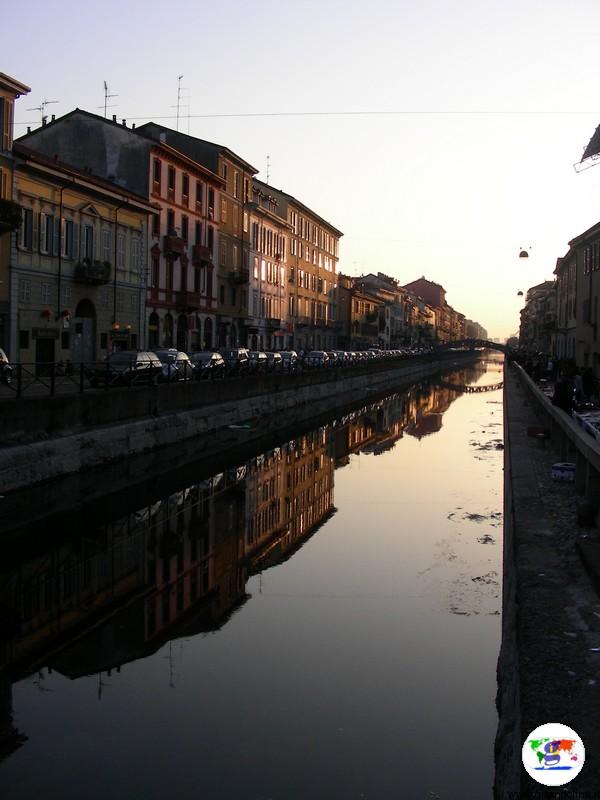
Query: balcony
{"points": [[92, 272], [187, 301], [173, 247], [201, 253], [239, 275], [10, 216], [273, 322]]}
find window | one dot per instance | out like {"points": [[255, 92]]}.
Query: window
{"points": [[103, 341], [185, 189], [236, 184], [235, 255], [66, 296], [88, 241], [198, 235], [169, 275], [185, 228], [210, 236], [105, 245], [171, 181], [156, 173], [135, 254], [233, 295], [156, 225], [65, 340], [26, 239], [224, 171], [45, 293], [24, 340], [223, 210], [199, 193], [171, 223], [66, 238], [25, 291], [46, 234], [154, 270], [245, 222], [211, 203], [3, 185], [133, 301], [121, 251], [222, 294]]}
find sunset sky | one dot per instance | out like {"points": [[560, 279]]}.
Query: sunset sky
{"points": [[477, 113]]}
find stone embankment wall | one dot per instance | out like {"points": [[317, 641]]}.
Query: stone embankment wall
{"points": [[46, 438]]}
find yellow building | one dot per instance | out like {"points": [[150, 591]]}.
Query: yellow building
{"points": [[10, 90], [78, 267]]}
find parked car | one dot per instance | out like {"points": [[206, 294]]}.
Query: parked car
{"points": [[316, 359], [274, 362], [127, 367], [236, 360], [289, 360], [207, 365], [5, 368], [176, 365], [257, 361]]}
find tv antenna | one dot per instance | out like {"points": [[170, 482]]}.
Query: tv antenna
{"points": [[268, 169], [107, 97], [179, 77], [42, 107]]}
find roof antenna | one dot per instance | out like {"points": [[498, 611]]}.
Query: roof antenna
{"points": [[268, 169], [42, 107], [107, 96]]}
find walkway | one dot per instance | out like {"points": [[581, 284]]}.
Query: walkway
{"points": [[548, 670]]}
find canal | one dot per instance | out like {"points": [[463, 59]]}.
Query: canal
{"points": [[320, 621]]}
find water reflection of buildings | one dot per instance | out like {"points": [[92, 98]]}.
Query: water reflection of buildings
{"points": [[107, 591]]}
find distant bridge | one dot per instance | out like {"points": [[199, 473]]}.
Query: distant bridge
{"points": [[471, 344]]}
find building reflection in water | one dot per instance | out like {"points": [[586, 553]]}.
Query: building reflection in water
{"points": [[88, 596]]}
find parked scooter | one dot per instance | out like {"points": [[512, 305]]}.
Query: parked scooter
{"points": [[5, 368]]}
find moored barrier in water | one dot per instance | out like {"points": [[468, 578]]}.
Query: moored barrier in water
{"points": [[470, 389]]}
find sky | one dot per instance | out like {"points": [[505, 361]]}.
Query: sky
{"points": [[438, 135]]}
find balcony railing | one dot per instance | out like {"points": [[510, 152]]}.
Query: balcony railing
{"points": [[93, 272], [201, 253], [239, 275], [173, 246], [187, 301]]}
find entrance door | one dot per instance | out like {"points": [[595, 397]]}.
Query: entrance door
{"points": [[44, 356], [83, 341]]}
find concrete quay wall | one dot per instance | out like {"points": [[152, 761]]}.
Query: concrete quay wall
{"points": [[160, 416]]}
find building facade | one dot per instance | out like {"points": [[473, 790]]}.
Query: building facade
{"points": [[78, 264], [10, 213]]}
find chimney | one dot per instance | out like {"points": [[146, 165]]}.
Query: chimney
{"points": [[114, 117], [53, 117], [133, 126], [124, 123], [29, 129], [44, 121]]}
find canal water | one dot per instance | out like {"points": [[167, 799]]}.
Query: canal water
{"points": [[318, 622]]}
